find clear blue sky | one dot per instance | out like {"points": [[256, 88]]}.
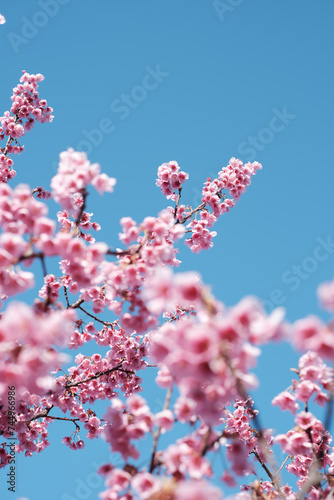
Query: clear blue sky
{"points": [[253, 81]]}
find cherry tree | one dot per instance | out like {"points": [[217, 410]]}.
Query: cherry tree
{"points": [[143, 315]]}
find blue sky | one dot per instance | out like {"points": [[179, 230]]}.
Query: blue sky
{"points": [[195, 82]]}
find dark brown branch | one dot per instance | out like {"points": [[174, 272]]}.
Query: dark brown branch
{"points": [[129, 251], [84, 194], [261, 440], [77, 304], [41, 414], [45, 414], [66, 297], [74, 420], [177, 202], [188, 216], [273, 478], [98, 375], [39, 255], [207, 446], [31, 255], [119, 253], [10, 138], [105, 323], [263, 465]]}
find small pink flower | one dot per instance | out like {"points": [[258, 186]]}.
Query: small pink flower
{"points": [[304, 391], [197, 490], [165, 420], [103, 183], [325, 294], [145, 485], [286, 401], [305, 420]]}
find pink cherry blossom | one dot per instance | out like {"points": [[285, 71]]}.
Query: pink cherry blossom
{"points": [[27, 108], [286, 401], [312, 334], [170, 178], [74, 174], [326, 295], [142, 315], [145, 485], [197, 490], [165, 420]]}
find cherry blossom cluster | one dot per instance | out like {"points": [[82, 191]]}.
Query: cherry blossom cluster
{"points": [[74, 174], [2, 19], [123, 279], [311, 333], [183, 460], [20, 216], [187, 457], [83, 227], [245, 440], [308, 446], [27, 356], [209, 356], [326, 295], [235, 178], [127, 422], [308, 443], [141, 315], [126, 485], [91, 378], [170, 179], [27, 108]]}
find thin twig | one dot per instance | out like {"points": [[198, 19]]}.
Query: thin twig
{"points": [[284, 462], [177, 202], [10, 138], [129, 251], [99, 374], [84, 194], [66, 297], [40, 256], [45, 414], [41, 414], [74, 420], [261, 440], [197, 209], [105, 323], [76, 304], [157, 433], [208, 445]]}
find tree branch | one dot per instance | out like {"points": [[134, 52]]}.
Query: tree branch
{"points": [[158, 431], [98, 375], [105, 323], [200, 207]]}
